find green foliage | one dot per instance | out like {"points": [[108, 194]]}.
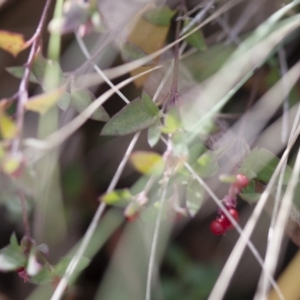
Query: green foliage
{"points": [[160, 16], [117, 197], [12, 256], [154, 133], [249, 194], [131, 52], [194, 197], [261, 164], [81, 99], [18, 72], [195, 39], [138, 115], [147, 162], [191, 280]]}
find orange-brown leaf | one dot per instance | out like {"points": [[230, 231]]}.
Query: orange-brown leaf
{"points": [[12, 42]]}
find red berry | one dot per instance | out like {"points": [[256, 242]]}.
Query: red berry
{"points": [[241, 181], [217, 227], [234, 213]]}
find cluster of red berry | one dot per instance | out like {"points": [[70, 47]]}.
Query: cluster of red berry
{"points": [[222, 223]]}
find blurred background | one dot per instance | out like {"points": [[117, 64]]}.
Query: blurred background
{"points": [[72, 180]]}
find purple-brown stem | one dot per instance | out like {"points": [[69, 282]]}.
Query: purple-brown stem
{"points": [[174, 88], [23, 89], [25, 216]]}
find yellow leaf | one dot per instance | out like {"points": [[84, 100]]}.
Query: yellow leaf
{"points": [[11, 165], [149, 38], [147, 162], [42, 103], [8, 128], [12, 42]]}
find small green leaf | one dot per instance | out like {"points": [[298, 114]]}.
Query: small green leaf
{"points": [[195, 39], [160, 16], [154, 134], [13, 241], [42, 103], [117, 197], [172, 122], [195, 151], [133, 117], [249, 194], [227, 178], [81, 99], [64, 101], [179, 144], [194, 197], [12, 257], [263, 163], [207, 165], [41, 64], [43, 276], [147, 162], [150, 106], [18, 72], [131, 52]]}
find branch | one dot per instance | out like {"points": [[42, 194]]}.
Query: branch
{"points": [[23, 92]]}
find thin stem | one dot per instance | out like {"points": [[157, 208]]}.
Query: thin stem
{"points": [[245, 238], [174, 88], [93, 225], [25, 216], [154, 245], [23, 89], [98, 70]]}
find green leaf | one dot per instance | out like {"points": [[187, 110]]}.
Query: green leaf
{"points": [[202, 65], [18, 72], [12, 257], [149, 104], [195, 39], [194, 197], [131, 52], [172, 122], [207, 165], [64, 101], [117, 197], [81, 99], [179, 144], [154, 134], [263, 163], [13, 241], [133, 117], [195, 151], [249, 194], [160, 16], [42, 103], [41, 64], [147, 162], [43, 276]]}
